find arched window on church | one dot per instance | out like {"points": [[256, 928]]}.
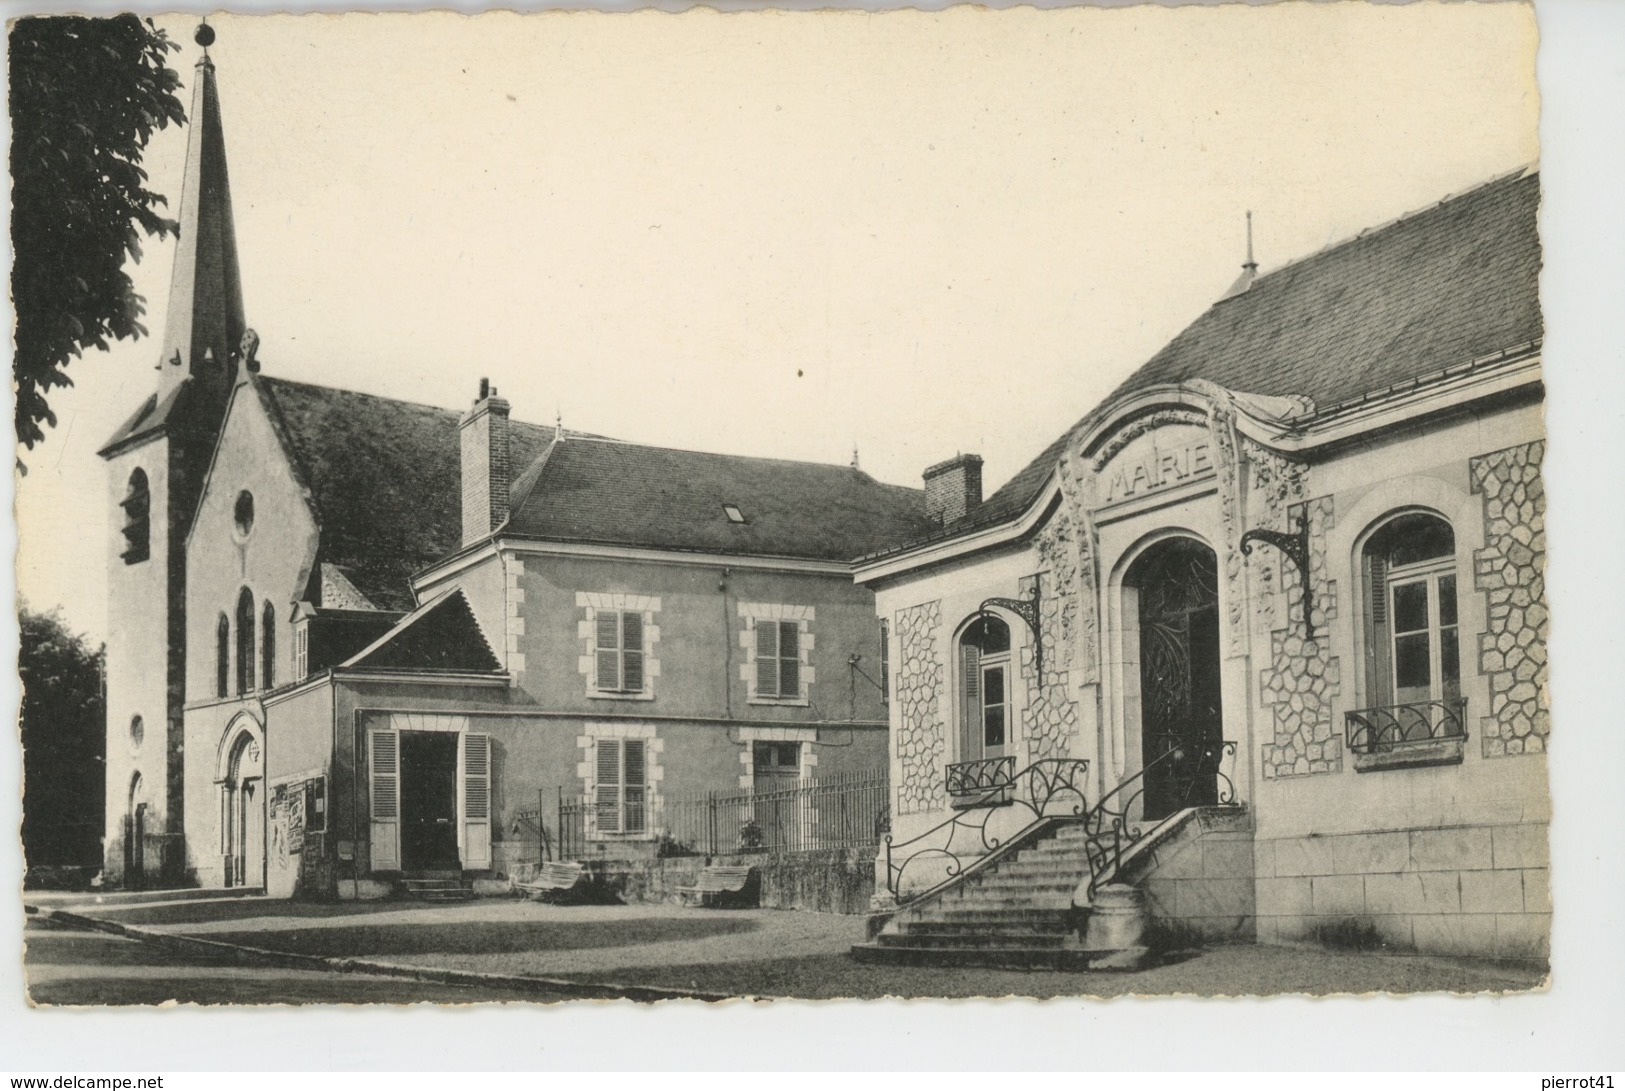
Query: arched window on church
{"points": [[1413, 652], [222, 657], [268, 646], [137, 505], [245, 642]]}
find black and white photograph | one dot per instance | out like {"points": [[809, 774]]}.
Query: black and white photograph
{"points": [[781, 505]]}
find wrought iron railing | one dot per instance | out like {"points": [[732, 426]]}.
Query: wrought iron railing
{"points": [[1036, 788], [1116, 824], [973, 778], [1391, 727]]}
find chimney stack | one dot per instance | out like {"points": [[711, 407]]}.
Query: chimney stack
{"points": [[485, 463], [953, 488]]}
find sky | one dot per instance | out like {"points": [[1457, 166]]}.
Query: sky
{"points": [[782, 234]]}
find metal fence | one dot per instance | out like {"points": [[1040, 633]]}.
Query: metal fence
{"points": [[840, 811]]}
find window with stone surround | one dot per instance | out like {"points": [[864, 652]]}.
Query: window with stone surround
{"points": [[1413, 650], [620, 775], [777, 639], [619, 636], [1415, 710]]}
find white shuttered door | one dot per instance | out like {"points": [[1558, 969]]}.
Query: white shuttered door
{"points": [[385, 789], [476, 801]]}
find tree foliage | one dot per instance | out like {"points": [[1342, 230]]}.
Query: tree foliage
{"points": [[86, 96], [64, 741]]}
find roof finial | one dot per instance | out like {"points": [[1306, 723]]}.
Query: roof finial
{"points": [[558, 425], [1249, 268], [204, 36], [855, 465], [1250, 265]]}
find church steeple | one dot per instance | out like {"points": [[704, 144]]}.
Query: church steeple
{"points": [[205, 323]]}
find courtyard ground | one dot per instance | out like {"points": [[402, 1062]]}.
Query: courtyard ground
{"points": [[758, 953]]}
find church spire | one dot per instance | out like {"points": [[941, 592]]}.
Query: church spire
{"points": [[205, 321]]}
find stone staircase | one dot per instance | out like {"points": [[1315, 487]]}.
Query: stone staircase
{"points": [[1013, 912], [444, 889]]}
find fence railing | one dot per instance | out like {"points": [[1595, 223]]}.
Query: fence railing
{"points": [[847, 810], [1378, 730]]}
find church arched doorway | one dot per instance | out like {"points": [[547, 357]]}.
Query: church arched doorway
{"points": [[242, 812], [1181, 725], [135, 836]]}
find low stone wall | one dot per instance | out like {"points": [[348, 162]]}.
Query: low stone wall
{"points": [[1198, 883], [831, 881], [1460, 890]]}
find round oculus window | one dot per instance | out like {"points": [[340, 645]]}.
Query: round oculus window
{"points": [[138, 731], [243, 513]]}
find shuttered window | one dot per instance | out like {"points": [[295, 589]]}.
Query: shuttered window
{"points": [[619, 651], [621, 789], [778, 659]]}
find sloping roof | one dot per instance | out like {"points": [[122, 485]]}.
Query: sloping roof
{"points": [[612, 493], [440, 635], [384, 476], [1435, 289]]}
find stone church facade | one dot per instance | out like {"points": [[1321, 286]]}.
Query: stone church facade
{"points": [[1283, 593]]}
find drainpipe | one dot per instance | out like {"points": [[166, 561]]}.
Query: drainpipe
{"points": [[727, 649]]}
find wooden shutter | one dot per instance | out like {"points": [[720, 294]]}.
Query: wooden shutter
{"points": [[607, 787], [971, 704], [632, 651], [476, 801], [385, 791], [609, 650], [767, 659], [635, 786], [789, 659], [1379, 652]]}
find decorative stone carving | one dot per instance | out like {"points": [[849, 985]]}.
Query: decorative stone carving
{"points": [[1139, 426], [1227, 456], [1511, 572], [1303, 680], [1049, 717], [1084, 639], [921, 740]]}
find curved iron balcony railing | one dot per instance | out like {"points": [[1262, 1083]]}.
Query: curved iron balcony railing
{"points": [[1393, 727]]}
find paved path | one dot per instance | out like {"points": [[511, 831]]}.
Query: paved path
{"points": [[764, 953]]}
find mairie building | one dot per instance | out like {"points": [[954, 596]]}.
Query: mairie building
{"points": [[1262, 638]]}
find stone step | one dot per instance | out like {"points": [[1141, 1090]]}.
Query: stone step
{"points": [[1010, 958], [972, 941], [1027, 884], [1006, 899], [1044, 868], [998, 915], [974, 928]]}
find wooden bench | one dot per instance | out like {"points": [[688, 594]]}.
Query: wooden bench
{"points": [[719, 886], [555, 881]]}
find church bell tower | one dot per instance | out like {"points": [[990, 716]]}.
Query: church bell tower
{"points": [[155, 464]]}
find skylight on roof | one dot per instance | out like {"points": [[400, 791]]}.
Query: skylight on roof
{"points": [[733, 513]]}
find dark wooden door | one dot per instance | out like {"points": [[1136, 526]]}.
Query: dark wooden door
{"points": [[1180, 718], [135, 848], [429, 801]]}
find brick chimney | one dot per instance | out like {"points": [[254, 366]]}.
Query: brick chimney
{"points": [[953, 488], [485, 461]]}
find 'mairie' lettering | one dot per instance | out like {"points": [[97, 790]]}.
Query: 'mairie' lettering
{"points": [[1157, 469]]}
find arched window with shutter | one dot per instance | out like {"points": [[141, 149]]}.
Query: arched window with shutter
{"points": [[245, 642], [1413, 651], [984, 690]]}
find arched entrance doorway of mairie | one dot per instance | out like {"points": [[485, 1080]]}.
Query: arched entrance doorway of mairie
{"points": [[1176, 586]]}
